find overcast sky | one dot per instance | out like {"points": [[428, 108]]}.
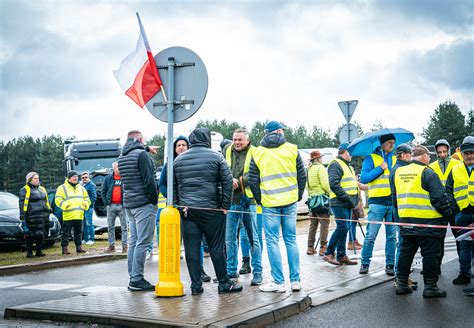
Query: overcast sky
{"points": [[289, 61]]}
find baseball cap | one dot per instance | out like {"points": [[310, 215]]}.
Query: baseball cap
{"points": [[273, 126], [404, 148]]}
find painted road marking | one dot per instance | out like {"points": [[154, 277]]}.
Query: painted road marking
{"points": [[11, 284], [98, 289], [50, 286]]}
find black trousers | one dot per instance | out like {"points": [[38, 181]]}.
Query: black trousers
{"points": [[430, 250], [36, 238], [211, 224], [76, 226]]}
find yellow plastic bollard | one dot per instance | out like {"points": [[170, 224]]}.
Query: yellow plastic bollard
{"points": [[169, 264]]}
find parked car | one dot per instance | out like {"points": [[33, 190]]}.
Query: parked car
{"points": [[11, 232]]}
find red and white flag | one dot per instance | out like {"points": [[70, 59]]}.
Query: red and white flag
{"points": [[138, 75]]}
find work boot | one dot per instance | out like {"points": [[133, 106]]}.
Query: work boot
{"points": [[322, 250], [347, 261], [110, 249], [432, 291], [29, 249], [462, 279], [79, 249], [39, 250], [351, 246], [402, 288], [331, 259], [310, 251], [65, 251], [229, 287], [245, 266], [356, 242]]}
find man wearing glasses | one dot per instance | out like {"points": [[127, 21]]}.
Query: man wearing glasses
{"points": [[91, 189]]}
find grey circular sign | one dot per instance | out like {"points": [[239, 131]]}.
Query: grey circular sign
{"points": [[190, 84], [348, 133]]}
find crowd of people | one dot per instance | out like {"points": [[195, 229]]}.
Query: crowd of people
{"points": [[235, 196]]}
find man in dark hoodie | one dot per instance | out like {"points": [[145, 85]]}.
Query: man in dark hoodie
{"points": [[202, 178], [277, 179], [140, 200]]}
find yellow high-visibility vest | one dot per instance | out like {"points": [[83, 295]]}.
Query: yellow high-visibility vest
{"points": [[348, 180], [161, 201], [444, 176], [278, 183], [73, 201], [463, 188], [248, 157], [413, 201], [380, 187], [28, 194], [259, 209]]}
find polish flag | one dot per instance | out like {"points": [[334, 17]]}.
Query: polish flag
{"points": [[138, 75]]}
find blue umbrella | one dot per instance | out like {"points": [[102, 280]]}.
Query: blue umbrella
{"points": [[366, 144]]}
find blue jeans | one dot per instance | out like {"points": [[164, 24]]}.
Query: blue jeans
{"points": [[88, 225], [232, 225], [157, 225], [244, 239], [142, 227], [399, 247], [338, 239], [352, 230], [273, 219], [379, 213], [465, 246]]}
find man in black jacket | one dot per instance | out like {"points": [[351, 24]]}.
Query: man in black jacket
{"points": [[343, 198], [420, 199], [202, 179], [140, 199]]}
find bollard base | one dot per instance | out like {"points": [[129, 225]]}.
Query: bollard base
{"points": [[169, 289]]}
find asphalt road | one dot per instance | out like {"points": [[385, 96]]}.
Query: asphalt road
{"points": [[380, 307]]}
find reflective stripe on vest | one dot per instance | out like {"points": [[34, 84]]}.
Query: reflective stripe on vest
{"points": [[348, 181], [444, 176], [28, 195], [412, 200], [75, 199], [161, 201], [278, 183], [463, 188], [380, 187], [248, 157]]}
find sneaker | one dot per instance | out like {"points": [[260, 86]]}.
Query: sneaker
{"points": [[90, 242], [310, 251], [331, 259], [197, 291], [389, 270], [148, 256], [296, 286], [205, 277], [468, 291], [462, 279], [364, 269], [322, 250], [110, 249], [433, 291], [273, 288], [140, 286], [229, 287], [257, 279], [347, 261]]}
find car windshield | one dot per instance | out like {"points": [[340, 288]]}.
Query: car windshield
{"points": [[8, 202], [94, 164]]}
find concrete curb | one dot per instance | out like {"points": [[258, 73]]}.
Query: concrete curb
{"points": [[62, 263]]}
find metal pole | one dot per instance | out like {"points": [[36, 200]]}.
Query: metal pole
{"points": [[169, 181], [348, 120]]}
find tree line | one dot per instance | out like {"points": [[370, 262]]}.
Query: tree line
{"points": [[44, 155]]}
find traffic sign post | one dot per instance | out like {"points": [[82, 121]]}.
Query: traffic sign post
{"points": [[186, 80], [349, 132]]}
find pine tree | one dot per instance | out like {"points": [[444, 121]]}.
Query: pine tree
{"points": [[448, 123]]}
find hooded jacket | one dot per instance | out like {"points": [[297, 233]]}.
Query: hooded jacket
{"points": [[202, 177], [138, 177], [163, 186], [275, 140]]}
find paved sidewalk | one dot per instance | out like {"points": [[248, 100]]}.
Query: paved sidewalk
{"points": [[321, 281]]}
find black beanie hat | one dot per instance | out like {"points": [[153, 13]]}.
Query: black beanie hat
{"points": [[386, 137], [71, 174]]}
